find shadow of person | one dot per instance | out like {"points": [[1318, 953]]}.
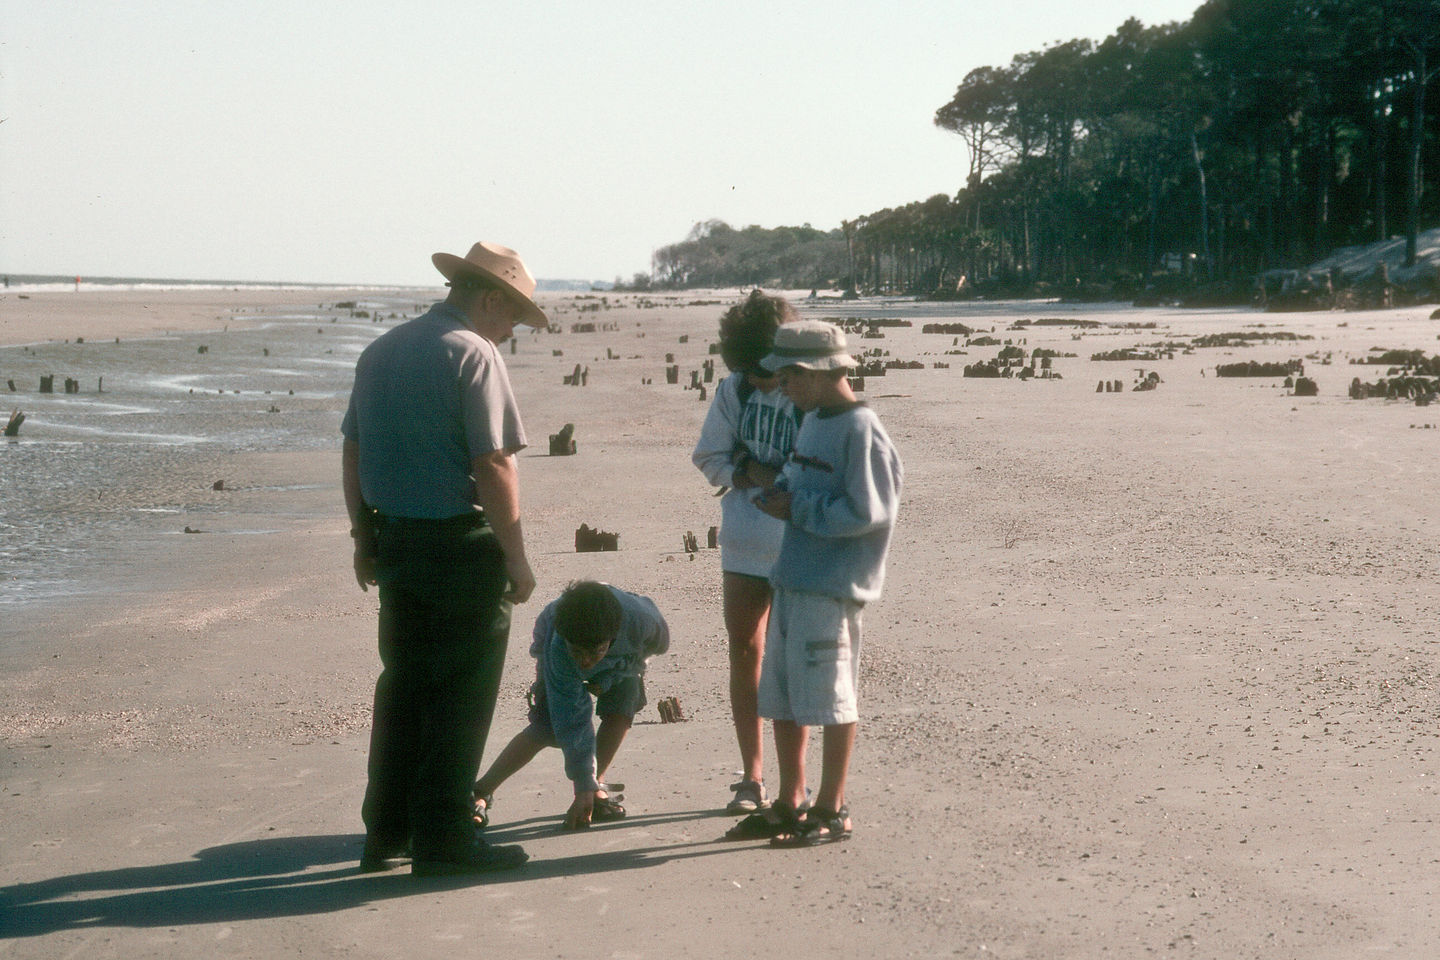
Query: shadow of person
{"points": [[280, 876], [270, 878]]}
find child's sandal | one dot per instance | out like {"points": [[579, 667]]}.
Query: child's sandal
{"points": [[819, 826], [778, 820], [606, 810], [482, 810]]}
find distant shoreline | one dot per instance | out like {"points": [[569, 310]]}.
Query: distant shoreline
{"points": [[33, 282]]}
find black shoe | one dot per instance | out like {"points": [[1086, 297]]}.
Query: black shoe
{"points": [[379, 853], [482, 857]]}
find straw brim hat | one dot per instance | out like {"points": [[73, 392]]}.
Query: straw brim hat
{"points": [[499, 264], [810, 345]]}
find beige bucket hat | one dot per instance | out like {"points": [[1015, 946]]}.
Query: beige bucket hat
{"points": [[500, 264], [811, 344]]}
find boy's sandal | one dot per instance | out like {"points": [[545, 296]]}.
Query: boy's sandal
{"points": [[606, 810], [819, 826], [482, 810], [765, 824]]}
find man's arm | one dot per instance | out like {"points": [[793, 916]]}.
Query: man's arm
{"points": [[360, 528], [497, 489]]}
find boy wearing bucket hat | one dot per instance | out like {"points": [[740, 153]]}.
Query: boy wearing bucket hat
{"points": [[430, 483], [838, 494]]}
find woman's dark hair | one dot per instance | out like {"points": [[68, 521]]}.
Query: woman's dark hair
{"points": [[747, 330], [588, 615]]}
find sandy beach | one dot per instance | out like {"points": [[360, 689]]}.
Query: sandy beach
{"points": [[1154, 672]]}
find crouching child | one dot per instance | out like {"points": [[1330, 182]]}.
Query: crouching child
{"points": [[591, 646]]}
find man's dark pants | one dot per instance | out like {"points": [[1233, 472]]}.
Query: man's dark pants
{"points": [[444, 628]]}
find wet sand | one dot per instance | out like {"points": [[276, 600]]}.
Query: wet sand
{"points": [[1154, 673]]}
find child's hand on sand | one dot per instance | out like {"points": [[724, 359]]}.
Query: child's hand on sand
{"points": [[580, 812]]}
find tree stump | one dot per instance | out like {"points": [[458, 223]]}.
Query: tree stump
{"points": [[562, 444], [588, 540]]}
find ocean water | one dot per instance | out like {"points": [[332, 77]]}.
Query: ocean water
{"points": [[142, 442]]}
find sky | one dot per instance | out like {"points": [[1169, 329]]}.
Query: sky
{"points": [[313, 141]]}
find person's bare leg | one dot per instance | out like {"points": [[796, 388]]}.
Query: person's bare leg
{"points": [[517, 753], [837, 746], [747, 613], [790, 741], [608, 737]]}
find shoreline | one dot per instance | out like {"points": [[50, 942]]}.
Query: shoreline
{"points": [[101, 313]]}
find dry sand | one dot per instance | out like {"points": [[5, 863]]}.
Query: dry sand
{"points": [[1153, 674]]}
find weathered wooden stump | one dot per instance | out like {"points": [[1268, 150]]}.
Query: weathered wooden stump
{"points": [[12, 428], [689, 542], [672, 373], [670, 711], [588, 540], [47, 383], [713, 539], [562, 444]]}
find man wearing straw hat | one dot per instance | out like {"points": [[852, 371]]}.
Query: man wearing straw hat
{"points": [[431, 486]]}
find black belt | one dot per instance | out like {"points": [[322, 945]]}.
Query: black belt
{"points": [[456, 524]]}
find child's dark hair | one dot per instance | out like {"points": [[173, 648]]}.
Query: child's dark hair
{"points": [[747, 330], [588, 615]]}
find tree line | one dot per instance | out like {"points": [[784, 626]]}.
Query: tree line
{"points": [[1260, 134]]}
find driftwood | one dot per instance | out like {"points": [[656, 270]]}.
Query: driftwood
{"points": [[670, 712]]}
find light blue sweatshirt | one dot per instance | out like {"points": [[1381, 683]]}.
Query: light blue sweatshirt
{"points": [[643, 634], [844, 478]]}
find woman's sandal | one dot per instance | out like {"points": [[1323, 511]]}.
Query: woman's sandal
{"points": [[779, 819], [819, 826]]}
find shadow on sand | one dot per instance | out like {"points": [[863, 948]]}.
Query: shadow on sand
{"points": [[292, 876]]}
